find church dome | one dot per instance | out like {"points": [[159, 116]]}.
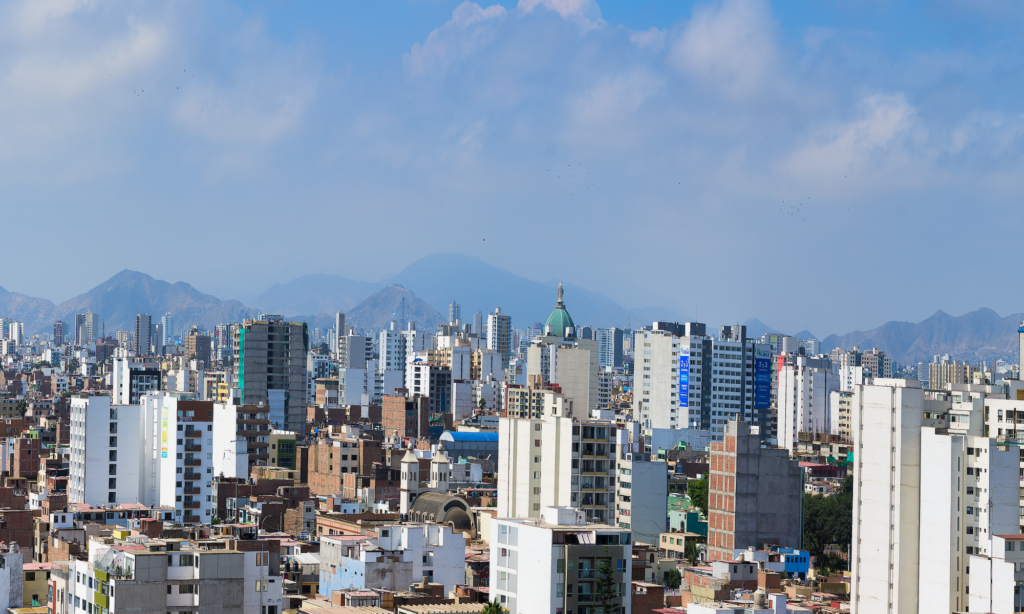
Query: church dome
{"points": [[560, 322]]}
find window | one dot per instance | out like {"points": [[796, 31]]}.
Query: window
{"points": [[261, 586]]}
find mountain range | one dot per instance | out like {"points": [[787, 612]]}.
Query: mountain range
{"points": [[477, 286], [979, 334]]}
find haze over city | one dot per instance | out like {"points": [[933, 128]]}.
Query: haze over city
{"points": [[716, 158]]}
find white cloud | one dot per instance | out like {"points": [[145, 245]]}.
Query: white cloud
{"points": [[883, 135], [652, 38], [606, 113], [68, 75], [469, 30], [729, 47], [584, 12], [33, 16]]}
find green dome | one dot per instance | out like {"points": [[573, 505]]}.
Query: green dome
{"points": [[560, 321]]}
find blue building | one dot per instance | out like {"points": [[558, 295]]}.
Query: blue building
{"points": [[458, 444]]}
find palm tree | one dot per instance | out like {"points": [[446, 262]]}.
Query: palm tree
{"points": [[493, 607]]}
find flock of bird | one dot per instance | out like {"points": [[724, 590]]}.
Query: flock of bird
{"points": [[141, 92]]}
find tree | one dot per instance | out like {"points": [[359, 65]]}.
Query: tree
{"points": [[673, 578], [605, 589], [73, 365], [828, 520], [831, 562], [483, 403], [493, 607], [691, 551], [698, 492], [22, 407]]}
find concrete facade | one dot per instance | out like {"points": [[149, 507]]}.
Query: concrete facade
{"points": [[971, 489], [556, 461], [755, 495], [886, 423], [551, 564], [642, 496], [803, 401]]}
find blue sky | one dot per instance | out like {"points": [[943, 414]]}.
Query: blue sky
{"points": [[833, 164]]}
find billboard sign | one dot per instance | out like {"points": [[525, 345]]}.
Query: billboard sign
{"points": [[684, 379], [762, 377]]}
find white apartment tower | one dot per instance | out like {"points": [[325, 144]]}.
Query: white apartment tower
{"points": [[556, 461], [886, 423], [970, 495], [553, 563], [805, 387], [686, 379], [499, 335]]}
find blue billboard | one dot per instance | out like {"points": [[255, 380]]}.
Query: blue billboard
{"points": [[762, 377], [684, 379]]}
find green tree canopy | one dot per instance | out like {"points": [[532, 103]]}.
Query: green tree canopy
{"points": [[828, 520], [697, 490], [673, 578]]}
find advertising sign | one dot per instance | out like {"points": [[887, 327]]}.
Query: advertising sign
{"points": [[762, 377], [684, 379], [163, 434]]}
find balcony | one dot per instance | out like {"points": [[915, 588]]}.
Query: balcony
{"points": [[195, 462], [586, 573], [192, 491], [193, 434], [194, 505], [193, 447]]}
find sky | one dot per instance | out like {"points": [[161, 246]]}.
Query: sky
{"points": [[830, 165]]}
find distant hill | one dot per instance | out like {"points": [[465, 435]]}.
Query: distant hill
{"points": [[36, 313], [119, 299], [756, 328], [981, 333], [479, 286], [376, 311], [319, 294]]}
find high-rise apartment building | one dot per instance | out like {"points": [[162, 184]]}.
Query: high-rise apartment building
{"points": [[641, 495], [454, 313], [684, 378], [169, 329], [339, 336], [570, 363], [143, 332], [755, 495], [805, 386], [609, 347], [197, 347], [499, 335], [398, 346], [58, 333], [557, 460], [87, 326], [478, 323], [433, 381], [556, 562], [270, 367], [159, 452], [948, 372], [886, 423], [969, 495]]}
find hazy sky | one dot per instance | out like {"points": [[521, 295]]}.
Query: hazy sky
{"points": [[833, 164]]}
